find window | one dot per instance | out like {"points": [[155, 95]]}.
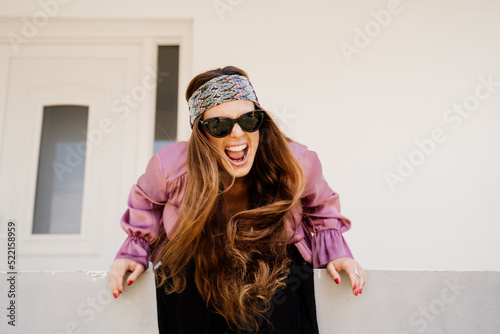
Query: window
{"points": [[61, 169], [166, 96]]}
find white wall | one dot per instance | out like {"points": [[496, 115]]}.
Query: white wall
{"points": [[362, 115], [392, 302]]}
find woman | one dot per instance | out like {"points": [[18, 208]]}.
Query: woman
{"points": [[247, 214]]}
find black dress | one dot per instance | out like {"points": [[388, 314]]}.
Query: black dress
{"points": [[293, 309]]}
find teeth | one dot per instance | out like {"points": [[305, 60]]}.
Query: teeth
{"points": [[236, 148]]}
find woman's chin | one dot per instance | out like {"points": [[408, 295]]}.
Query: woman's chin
{"points": [[237, 170]]}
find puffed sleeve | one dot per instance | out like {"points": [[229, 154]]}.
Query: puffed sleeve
{"points": [[323, 220], [142, 220]]}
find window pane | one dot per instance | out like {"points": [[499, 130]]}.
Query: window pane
{"points": [[166, 96], [61, 169]]}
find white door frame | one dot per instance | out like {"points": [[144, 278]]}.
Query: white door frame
{"points": [[149, 34]]}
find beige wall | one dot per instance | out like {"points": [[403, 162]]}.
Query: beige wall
{"points": [[364, 109]]}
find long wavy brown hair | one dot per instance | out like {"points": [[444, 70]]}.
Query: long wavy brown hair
{"points": [[239, 261]]}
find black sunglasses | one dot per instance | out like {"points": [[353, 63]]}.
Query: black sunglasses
{"points": [[222, 126]]}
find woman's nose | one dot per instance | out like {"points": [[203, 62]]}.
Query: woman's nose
{"points": [[237, 131]]}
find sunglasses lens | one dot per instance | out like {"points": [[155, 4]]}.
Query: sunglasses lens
{"points": [[219, 127], [251, 121], [222, 126]]}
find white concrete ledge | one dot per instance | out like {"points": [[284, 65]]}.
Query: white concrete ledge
{"points": [[404, 302], [398, 302]]}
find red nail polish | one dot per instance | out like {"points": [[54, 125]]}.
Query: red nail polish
{"points": [[129, 282], [337, 281], [119, 291], [115, 295], [354, 287], [360, 291], [356, 293]]}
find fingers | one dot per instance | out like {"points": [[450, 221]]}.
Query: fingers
{"points": [[333, 272], [362, 279], [348, 265], [137, 271], [357, 276], [355, 279], [117, 272]]}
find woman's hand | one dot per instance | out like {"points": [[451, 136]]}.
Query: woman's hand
{"points": [[347, 264], [117, 272]]}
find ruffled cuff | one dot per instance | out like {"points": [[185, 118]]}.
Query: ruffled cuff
{"points": [[329, 245], [135, 249]]}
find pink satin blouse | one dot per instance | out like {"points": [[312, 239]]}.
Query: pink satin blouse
{"points": [[154, 204]]}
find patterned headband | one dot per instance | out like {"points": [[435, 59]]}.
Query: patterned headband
{"points": [[221, 89]]}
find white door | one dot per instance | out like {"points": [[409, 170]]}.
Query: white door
{"points": [[77, 124], [63, 150]]}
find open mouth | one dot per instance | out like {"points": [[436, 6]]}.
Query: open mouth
{"points": [[237, 154]]}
